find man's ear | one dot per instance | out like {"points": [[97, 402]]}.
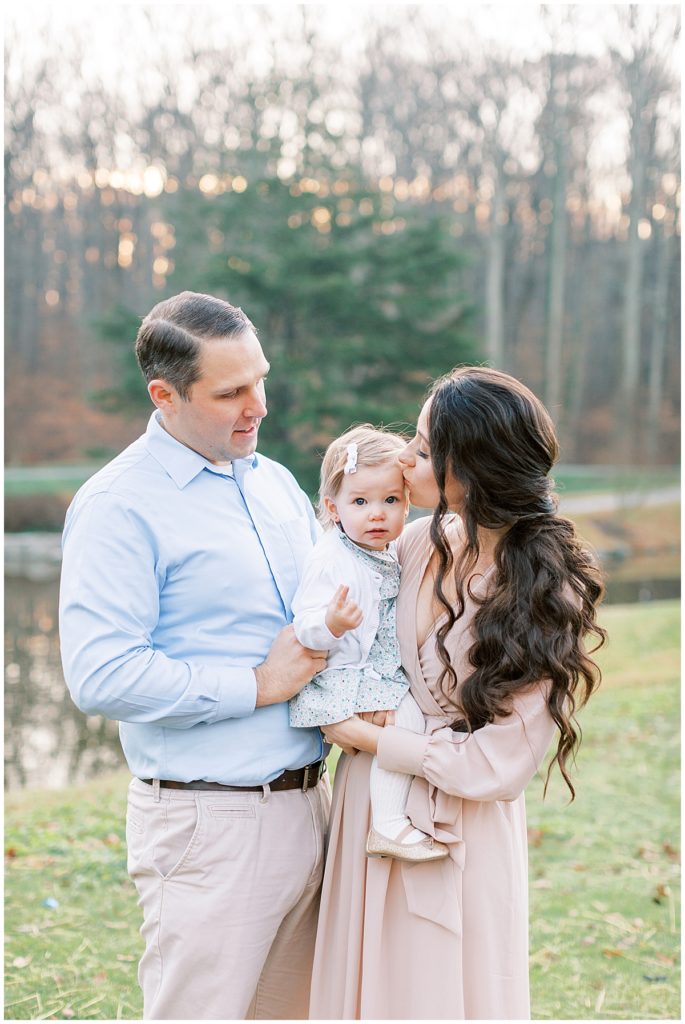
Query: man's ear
{"points": [[332, 510], [163, 395]]}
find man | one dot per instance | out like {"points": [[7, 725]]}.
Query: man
{"points": [[181, 558]]}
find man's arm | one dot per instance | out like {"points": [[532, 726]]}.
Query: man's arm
{"points": [[109, 607]]}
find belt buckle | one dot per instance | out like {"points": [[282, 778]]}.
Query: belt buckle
{"points": [[320, 771]]}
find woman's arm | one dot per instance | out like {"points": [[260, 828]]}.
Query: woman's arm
{"points": [[355, 733], [495, 762]]}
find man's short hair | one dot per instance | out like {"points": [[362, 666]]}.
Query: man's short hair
{"points": [[169, 339]]}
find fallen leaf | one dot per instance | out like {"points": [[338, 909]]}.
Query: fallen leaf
{"points": [[671, 852], [535, 836], [10, 853], [100, 978], [112, 839], [648, 852], [612, 952], [661, 892]]}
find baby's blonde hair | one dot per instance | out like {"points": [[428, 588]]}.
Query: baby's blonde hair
{"points": [[375, 447]]}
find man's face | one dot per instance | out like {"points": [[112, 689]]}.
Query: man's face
{"points": [[221, 416]]}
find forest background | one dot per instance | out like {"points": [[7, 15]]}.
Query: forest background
{"points": [[388, 191]]}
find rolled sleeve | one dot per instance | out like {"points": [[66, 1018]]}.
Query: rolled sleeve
{"points": [[402, 751]]}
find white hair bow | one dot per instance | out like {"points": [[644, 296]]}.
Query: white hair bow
{"points": [[351, 464]]}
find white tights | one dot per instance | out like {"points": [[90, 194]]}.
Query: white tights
{"points": [[389, 790]]}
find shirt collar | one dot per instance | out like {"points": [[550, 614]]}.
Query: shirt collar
{"points": [[180, 462]]}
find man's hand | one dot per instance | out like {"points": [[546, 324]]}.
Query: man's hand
{"points": [[343, 615], [287, 668]]}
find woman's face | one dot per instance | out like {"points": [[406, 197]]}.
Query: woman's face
{"points": [[418, 470]]}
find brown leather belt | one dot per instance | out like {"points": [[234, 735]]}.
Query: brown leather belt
{"points": [[298, 778]]}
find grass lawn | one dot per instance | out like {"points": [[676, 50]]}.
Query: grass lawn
{"points": [[627, 479], [604, 871]]}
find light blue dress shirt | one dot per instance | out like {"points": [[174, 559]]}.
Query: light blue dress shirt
{"points": [[176, 577]]}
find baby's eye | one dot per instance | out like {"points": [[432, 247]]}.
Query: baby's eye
{"points": [[360, 501], [391, 499]]}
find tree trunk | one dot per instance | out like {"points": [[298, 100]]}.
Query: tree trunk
{"points": [[658, 346], [494, 303], [557, 280], [627, 418]]}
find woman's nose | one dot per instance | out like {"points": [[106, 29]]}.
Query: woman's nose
{"points": [[406, 456]]}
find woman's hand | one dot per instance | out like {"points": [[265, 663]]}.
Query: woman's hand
{"points": [[378, 717], [353, 733]]}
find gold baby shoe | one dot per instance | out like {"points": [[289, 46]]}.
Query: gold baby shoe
{"points": [[378, 845]]}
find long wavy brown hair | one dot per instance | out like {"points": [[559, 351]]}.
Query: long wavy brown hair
{"points": [[490, 433]]}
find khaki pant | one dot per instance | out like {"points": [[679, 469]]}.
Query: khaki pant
{"points": [[229, 887]]}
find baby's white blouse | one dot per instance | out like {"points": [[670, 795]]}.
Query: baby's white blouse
{"points": [[349, 683]]}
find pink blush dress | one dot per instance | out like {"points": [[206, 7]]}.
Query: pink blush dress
{"points": [[446, 940]]}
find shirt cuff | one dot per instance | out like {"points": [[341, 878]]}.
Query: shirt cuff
{"points": [[402, 751], [238, 696]]}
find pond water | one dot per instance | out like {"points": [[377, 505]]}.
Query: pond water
{"points": [[48, 741]]}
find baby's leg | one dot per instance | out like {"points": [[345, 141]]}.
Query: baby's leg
{"points": [[389, 790]]}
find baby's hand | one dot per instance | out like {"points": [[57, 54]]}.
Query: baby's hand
{"points": [[343, 615]]}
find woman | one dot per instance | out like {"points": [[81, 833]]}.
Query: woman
{"points": [[494, 607]]}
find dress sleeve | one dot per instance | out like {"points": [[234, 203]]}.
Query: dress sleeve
{"points": [[493, 763]]}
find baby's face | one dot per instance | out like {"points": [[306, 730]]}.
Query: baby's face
{"points": [[371, 505]]}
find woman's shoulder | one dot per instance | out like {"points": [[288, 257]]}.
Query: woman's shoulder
{"points": [[414, 537]]}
